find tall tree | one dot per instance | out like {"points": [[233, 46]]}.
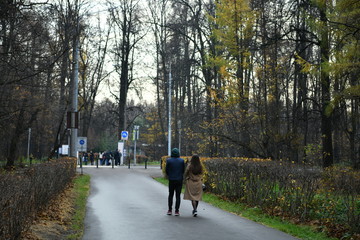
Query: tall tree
{"points": [[22, 60], [326, 122], [234, 32], [345, 104], [68, 27], [92, 71], [127, 29], [158, 10]]}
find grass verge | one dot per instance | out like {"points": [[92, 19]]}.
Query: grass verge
{"points": [[255, 214], [81, 188]]}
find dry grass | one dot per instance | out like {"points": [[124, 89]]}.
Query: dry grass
{"points": [[54, 222]]}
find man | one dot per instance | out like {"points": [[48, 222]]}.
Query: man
{"points": [[117, 157], [92, 157], [175, 168], [108, 156]]}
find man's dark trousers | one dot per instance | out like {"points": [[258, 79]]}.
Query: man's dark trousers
{"points": [[174, 186]]}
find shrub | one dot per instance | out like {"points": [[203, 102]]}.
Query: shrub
{"points": [[25, 191], [331, 197], [341, 185], [163, 162], [141, 158]]}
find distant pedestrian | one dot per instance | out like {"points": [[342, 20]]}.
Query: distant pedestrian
{"points": [[102, 158], [117, 157], [108, 157], [175, 168], [85, 157], [91, 158], [193, 183]]}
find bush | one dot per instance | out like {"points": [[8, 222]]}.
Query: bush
{"points": [[341, 186], [25, 191], [163, 162], [141, 159], [331, 197]]}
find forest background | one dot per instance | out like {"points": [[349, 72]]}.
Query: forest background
{"points": [[274, 79]]}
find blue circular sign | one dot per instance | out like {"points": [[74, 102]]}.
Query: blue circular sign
{"points": [[82, 142], [124, 134]]}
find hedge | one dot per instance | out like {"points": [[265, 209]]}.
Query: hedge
{"points": [[330, 197], [26, 191]]}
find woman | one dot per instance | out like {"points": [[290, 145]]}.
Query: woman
{"points": [[193, 183]]}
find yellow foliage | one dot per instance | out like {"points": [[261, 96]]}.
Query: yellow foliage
{"points": [[306, 66], [204, 159], [234, 22]]}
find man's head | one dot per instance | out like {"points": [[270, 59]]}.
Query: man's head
{"points": [[175, 152]]}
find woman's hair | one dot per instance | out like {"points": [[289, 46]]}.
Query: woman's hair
{"points": [[195, 165]]}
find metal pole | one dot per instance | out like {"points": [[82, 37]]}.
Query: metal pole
{"points": [[127, 152], [58, 152], [28, 147], [135, 152], [136, 136], [74, 95], [179, 123], [169, 118]]}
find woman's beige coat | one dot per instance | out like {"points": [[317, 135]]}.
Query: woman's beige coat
{"points": [[193, 186]]}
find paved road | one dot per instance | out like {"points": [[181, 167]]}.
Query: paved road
{"points": [[128, 204]]}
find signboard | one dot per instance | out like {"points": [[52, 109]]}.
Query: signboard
{"points": [[82, 144], [124, 135], [64, 150]]}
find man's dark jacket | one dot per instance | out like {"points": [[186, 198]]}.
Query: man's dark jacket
{"points": [[175, 168]]}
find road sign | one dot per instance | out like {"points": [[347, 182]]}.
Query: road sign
{"points": [[124, 135], [82, 144]]}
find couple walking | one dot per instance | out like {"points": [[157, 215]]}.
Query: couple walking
{"points": [[176, 172]]}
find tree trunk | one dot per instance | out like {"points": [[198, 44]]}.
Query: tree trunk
{"points": [[326, 121]]}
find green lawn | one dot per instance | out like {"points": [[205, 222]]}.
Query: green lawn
{"points": [[152, 163], [81, 188]]}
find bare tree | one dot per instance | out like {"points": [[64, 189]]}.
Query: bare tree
{"points": [[126, 22], [94, 50], [23, 61]]}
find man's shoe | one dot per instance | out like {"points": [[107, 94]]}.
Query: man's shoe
{"points": [[177, 213], [169, 212]]}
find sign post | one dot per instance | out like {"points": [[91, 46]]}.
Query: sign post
{"points": [[135, 137], [82, 144], [81, 147], [125, 136]]}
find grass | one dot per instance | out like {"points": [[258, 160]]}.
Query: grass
{"points": [[81, 188], [152, 163], [255, 214]]}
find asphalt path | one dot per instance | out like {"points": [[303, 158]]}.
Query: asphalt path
{"points": [[128, 204]]}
